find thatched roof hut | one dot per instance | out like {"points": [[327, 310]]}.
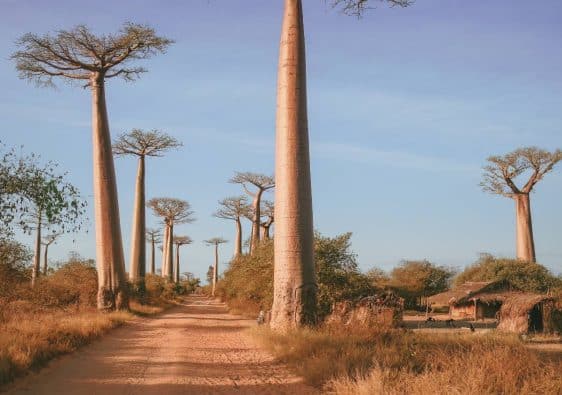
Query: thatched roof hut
{"points": [[525, 312], [462, 291]]}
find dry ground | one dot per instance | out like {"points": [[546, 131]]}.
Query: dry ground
{"points": [[195, 348]]}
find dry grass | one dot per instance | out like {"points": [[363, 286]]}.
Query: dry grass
{"points": [[399, 362]]}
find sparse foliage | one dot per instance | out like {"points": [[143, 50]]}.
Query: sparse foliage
{"points": [[78, 53], [175, 210], [144, 143], [358, 7]]}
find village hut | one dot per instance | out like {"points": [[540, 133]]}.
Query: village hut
{"points": [[473, 300], [527, 313]]}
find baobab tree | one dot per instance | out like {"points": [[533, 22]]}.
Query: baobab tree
{"points": [[268, 211], [173, 212], [261, 183], [499, 179], [179, 241], [78, 55], [47, 241], [153, 236], [141, 144], [234, 208], [294, 296], [215, 242]]}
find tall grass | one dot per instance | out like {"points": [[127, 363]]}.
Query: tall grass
{"points": [[401, 362]]}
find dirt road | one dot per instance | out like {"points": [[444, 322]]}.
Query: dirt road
{"points": [[195, 348]]}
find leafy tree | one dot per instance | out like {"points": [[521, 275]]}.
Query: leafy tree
{"points": [[524, 275], [261, 183], [378, 278], [78, 55], [416, 279], [51, 202], [14, 260], [47, 241], [141, 144], [499, 179]]}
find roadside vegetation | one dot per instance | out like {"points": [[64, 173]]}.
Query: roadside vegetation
{"points": [[59, 314]]}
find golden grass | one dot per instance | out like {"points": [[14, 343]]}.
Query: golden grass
{"points": [[399, 362]]}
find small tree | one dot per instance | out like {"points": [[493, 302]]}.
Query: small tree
{"points": [[47, 241], [173, 212], [51, 202], [261, 183], [499, 179], [154, 237], [141, 144], [215, 242], [79, 55], [414, 280], [179, 241], [234, 208]]}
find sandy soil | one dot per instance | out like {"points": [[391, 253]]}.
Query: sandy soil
{"points": [[195, 348]]}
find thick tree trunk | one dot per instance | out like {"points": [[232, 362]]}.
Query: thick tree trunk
{"points": [[137, 270], [524, 228], [266, 232], [35, 272], [170, 254], [112, 283], [165, 250], [177, 271], [238, 240], [45, 259], [215, 270], [152, 257], [256, 205], [294, 298]]}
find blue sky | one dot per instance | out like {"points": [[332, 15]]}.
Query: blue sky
{"points": [[404, 107]]}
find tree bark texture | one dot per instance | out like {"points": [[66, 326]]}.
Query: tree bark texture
{"points": [[524, 228], [238, 240], [256, 205], [112, 283], [215, 270], [152, 257], [137, 270], [164, 250], [35, 272], [45, 259], [170, 254], [295, 288], [177, 271]]}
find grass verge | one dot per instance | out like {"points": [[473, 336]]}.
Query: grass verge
{"points": [[400, 362]]}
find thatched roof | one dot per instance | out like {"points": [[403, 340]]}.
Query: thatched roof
{"points": [[521, 303], [486, 291], [462, 291]]}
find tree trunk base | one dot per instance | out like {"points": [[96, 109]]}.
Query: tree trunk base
{"points": [[113, 300]]}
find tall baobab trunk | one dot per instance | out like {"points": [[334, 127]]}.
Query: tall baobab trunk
{"points": [[294, 300], [238, 240], [112, 284], [137, 270], [152, 257], [255, 239], [215, 270], [524, 228], [177, 271], [170, 253], [265, 229], [37, 257], [165, 250], [45, 261]]}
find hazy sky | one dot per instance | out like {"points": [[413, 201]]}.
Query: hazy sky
{"points": [[405, 105]]}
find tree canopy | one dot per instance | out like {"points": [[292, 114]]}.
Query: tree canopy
{"points": [[176, 211], [144, 143], [358, 7], [260, 181], [233, 208], [502, 171], [526, 276], [78, 53]]}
